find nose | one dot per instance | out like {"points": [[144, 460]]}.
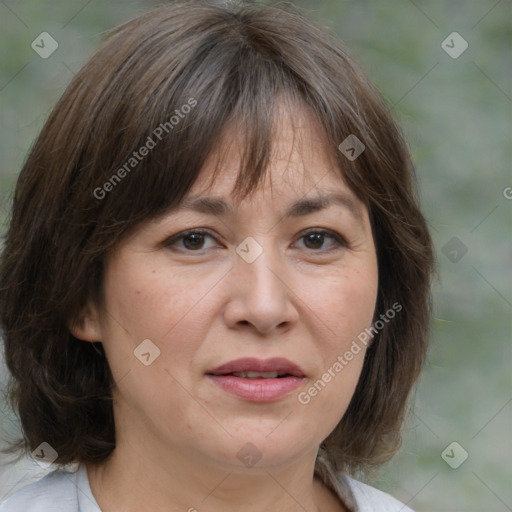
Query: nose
{"points": [[260, 295]]}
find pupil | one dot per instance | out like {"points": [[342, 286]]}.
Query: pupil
{"points": [[316, 238], [195, 238]]}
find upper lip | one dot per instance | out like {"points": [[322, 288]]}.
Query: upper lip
{"points": [[251, 364]]}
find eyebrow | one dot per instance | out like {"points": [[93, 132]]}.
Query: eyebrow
{"points": [[303, 207]]}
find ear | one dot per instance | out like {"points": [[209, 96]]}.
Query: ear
{"points": [[86, 325]]}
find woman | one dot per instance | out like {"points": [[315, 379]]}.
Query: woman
{"points": [[216, 279]]}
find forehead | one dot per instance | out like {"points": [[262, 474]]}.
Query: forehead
{"points": [[300, 158]]}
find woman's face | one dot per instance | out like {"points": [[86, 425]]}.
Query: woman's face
{"points": [[271, 284]]}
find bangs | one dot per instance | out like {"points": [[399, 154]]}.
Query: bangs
{"points": [[165, 124], [232, 107]]}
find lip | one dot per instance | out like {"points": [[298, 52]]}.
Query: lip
{"points": [[252, 364], [257, 390]]}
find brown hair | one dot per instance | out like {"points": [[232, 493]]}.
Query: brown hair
{"points": [[73, 204]]}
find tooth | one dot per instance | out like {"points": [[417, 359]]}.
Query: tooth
{"points": [[269, 375], [256, 375]]}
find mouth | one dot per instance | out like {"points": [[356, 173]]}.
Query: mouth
{"points": [[259, 375], [257, 380]]}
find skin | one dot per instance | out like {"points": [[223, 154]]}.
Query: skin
{"points": [[178, 434]]}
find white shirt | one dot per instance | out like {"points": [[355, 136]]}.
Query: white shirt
{"points": [[65, 491]]}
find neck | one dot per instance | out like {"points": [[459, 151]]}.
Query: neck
{"points": [[133, 480]]}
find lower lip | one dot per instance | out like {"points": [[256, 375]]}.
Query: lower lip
{"points": [[257, 390]]}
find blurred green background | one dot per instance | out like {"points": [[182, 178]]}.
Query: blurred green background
{"points": [[456, 115]]}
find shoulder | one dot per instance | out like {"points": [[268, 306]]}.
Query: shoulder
{"points": [[357, 496], [370, 499], [55, 492]]}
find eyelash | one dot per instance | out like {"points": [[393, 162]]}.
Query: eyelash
{"points": [[340, 240]]}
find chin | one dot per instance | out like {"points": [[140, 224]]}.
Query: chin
{"points": [[260, 449]]}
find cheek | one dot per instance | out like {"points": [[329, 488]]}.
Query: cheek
{"points": [[140, 299], [328, 397], [148, 303], [145, 300], [347, 305], [151, 302], [346, 313]]}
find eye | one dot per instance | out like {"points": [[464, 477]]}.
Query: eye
{"points": [[316, 238], [192, 240]]}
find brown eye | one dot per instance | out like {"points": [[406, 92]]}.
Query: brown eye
{"points": [[193, 240], [315, 240]]}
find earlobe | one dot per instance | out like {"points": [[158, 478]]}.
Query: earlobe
{"points": [[86, 326]]}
